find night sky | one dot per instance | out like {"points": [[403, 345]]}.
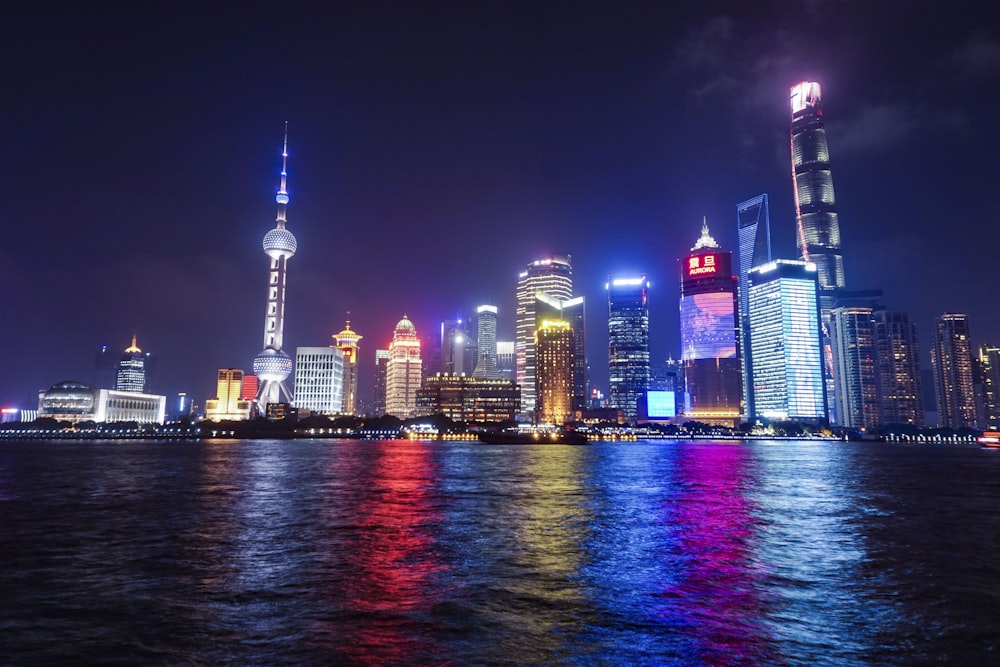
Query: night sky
{"points": [[437, 148]]}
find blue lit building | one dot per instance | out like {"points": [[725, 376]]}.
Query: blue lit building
{"points": [[628, 343], [787, 367], [754, 227]]}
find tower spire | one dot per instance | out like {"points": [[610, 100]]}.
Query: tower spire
{"points": [[282, 196]]}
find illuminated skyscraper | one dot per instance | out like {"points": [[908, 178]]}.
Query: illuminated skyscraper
{"points": [[951, 358], [272, 366], [818, 229], [457, 348], [555, 348], [855, 359], [319, 379], [628, 343], [347, 342], [754, 227], [784, 316], [131, 372], [554, 277], [989, 371], [572, 311], [486, 343], [228, 404], [403, 371], [381, 363], [899, 368], [709, 344]]}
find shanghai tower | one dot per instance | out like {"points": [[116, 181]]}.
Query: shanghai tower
{"points": [[818, 230], [272, 366]]}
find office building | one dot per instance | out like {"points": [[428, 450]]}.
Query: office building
{"points": [[403, 372], [754, 228], [319, 380], [951, 359], [131, 372], [230, 402], [855, 366], [273, 366], [378, 400], [507, 359], [347, 341], [486, 343], [466, 399], [457, 348], [555, 348], [572, 311], [76, 402], [900, 390], [989, 387], [628, 343], [785, 347], [709, 342], [553, 277]]}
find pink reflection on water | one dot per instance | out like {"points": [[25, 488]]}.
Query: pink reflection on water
{"points": [[716, 595]]}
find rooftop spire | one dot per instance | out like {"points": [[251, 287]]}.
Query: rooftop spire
{"points": [[705, 240], [133, 347], [282, 196]]}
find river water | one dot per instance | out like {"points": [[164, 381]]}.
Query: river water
{"points": [[320, 552]]}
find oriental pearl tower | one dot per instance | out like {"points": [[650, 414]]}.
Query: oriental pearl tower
{"points": [[272, 366]]}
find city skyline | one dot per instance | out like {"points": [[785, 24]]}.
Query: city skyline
{"points": [[145, 173]]}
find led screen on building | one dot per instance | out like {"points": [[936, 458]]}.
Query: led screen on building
{"points": [[661, 404], [708, 326]]}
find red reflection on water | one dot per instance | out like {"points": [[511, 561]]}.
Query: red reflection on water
{"points": [[392, 560], [717, 594]]}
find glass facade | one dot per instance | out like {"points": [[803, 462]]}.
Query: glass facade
{"points": [[754, 227], [951, 359], [628, 343], [815, 205], [855, 358], [785, 342], [989, 371], [553, 277], [899, 368]]}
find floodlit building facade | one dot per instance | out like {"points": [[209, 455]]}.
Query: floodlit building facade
{"points": [[230, 402], [348, 342], [709, 340], [319, 380], [787, 367], [554, 343], [131, 372], [628, 343], [75, 402], [951, 360], [462, 398], [553, 277], [403, 371]]}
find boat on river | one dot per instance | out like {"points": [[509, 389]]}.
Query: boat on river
{"points": [[990, 439], [533, 437]]}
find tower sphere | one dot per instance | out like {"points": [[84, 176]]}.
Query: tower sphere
{"points": [[272, 365], [279, 243]]}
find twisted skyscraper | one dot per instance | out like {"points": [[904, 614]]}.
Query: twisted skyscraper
{"points": [[817, 226], [272, 366]]}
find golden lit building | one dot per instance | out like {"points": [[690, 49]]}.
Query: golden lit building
{"points": [[347, 342], [228, 404], [554, 346], [464, 398], [403, 371]]}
